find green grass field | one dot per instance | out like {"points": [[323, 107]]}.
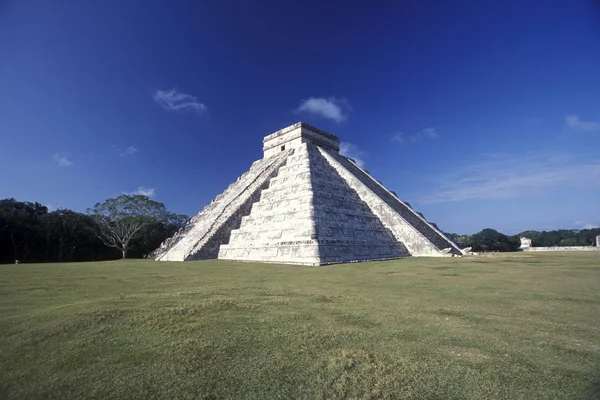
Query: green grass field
{"points": [[520, 326]]}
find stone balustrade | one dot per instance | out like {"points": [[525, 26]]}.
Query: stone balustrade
{"points": [[412, 217]]}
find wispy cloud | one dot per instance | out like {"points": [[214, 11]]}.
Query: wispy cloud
{"points": [[505, 176], [61, 160], [585, 225], [398, 138], [143, 191], [574, 122], [352, 151], [172, 100], [427, 133], [330, 108], [128, 151]]}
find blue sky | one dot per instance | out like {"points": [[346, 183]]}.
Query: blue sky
{"points": [[480, 114]]}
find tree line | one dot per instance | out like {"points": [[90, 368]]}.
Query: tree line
{"points": [[492, 240], [135, 225], [124, 226], [562, 237]]}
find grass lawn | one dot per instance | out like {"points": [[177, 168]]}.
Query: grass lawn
{"points": [[520, 326]]}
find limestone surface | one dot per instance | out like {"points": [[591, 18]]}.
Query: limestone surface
{"points": [[304, 203]]}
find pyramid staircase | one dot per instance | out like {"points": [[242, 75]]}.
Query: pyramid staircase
{"points": [[304, 203], [201, 237]]}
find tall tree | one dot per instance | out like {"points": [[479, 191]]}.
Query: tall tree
{"points": [[122, 219], [66, 230], [152, 235], [492, 240], [20, 227]]}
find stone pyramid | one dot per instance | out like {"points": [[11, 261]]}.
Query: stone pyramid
{"points": [[304, 203]]}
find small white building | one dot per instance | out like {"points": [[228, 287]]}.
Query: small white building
{"points": [[525, 243]]}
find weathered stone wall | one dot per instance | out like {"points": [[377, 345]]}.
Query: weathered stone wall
{"points": [[280, 225], [309, 215], [525, 243], [295, 135], [416, 219], [211, 225], [562, 248], [209, 248], [347, 228], [419, 237]]}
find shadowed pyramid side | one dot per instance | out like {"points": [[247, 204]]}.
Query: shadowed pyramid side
{"points": [[346, 228], [409, 227]]}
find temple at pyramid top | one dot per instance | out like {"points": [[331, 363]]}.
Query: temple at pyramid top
{"points": [[294, 135], [305, 203]]}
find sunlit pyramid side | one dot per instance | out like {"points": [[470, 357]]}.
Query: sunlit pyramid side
{"points": [[304, 203]]}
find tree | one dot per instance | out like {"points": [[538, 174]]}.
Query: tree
{"points": [[492, 240], [122, 219], [28, 232], [66, 231], [153, 234], [562, 237], [461, 241], [20, 227]]}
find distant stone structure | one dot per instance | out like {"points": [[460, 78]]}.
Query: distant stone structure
{"points": [[526, 246], [525, 243], [304, 203], [564, 248], [598, 241]]}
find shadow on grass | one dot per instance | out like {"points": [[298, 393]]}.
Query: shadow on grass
{"points": [[593, 392]]}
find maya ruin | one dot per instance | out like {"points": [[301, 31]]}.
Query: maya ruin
{"points": [[304, 203]]}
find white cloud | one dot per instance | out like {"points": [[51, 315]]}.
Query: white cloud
{"points": [[331, 108], [505, 176], [128, 151], [574, 122], [143, 191], [61, 160], [398, 138], [352, 151], [427, 133], [172, 100]]}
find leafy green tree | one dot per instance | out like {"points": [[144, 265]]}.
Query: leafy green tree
{"points": [[492, 240], [20, 228], [568, 242], [28, 232], [152, 235], [65, 232], [122, 219], [587, 237], [562, 237], [461, 241]]}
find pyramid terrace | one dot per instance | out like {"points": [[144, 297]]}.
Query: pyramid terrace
{"points": [[304, 203]]}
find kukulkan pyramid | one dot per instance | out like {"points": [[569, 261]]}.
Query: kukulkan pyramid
{"points": [[304, 203]]}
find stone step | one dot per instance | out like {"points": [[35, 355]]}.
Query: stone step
{"points": [[212, 226]]}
